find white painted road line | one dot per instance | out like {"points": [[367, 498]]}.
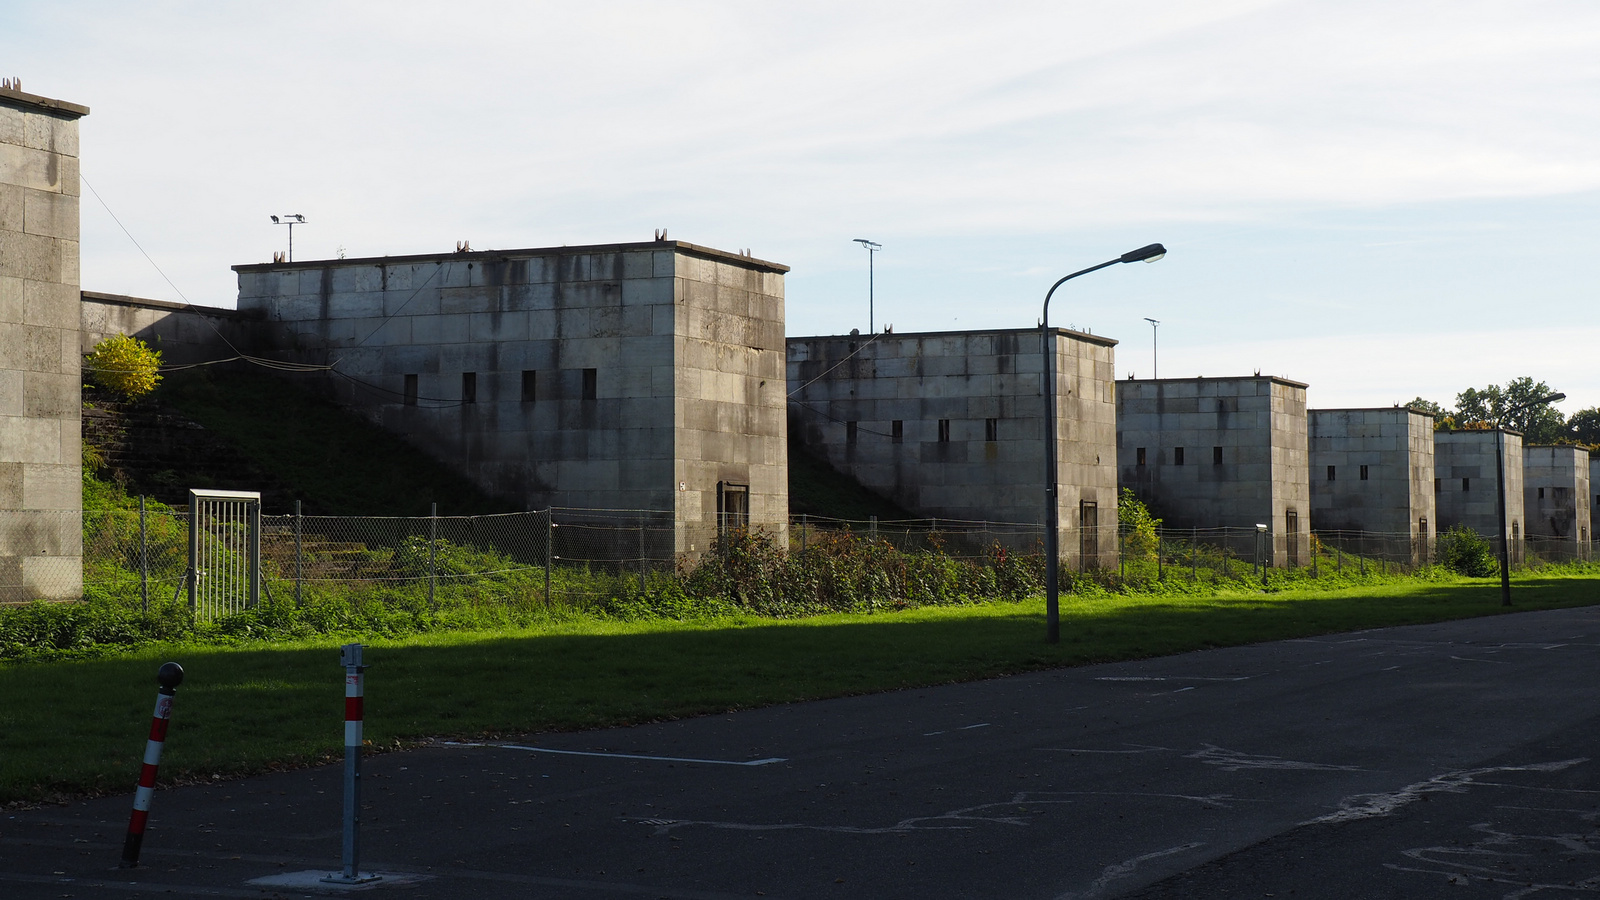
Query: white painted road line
{"points": [[1175, 677], [709, 762]]}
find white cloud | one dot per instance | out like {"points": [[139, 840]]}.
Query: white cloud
{"points": [[988, 145]]}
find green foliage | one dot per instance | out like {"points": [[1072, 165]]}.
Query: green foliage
{"points": [[1427, 406], [60, 630], [1539, 424], [1584, 426], [1138, 527], [840, 571], [124, 365], [1466, 552]]}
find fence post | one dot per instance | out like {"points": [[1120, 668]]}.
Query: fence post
{"points": [[255, 552], [192, 574], [1194, 554], [1361, 552], [802, 532], [873, 528], [169, 677], [354, 694], [549, 549], [641, 555], [1122, 554], [144, 559], [1338, 558], [299, 566], [1314, 554], [1160, 546], [433, 538]]}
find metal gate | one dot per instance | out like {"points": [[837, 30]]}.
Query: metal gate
{"points": [[224, 552]]}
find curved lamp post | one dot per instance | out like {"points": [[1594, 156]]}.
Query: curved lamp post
{"points": [[1052, 510], [1500, 476]]}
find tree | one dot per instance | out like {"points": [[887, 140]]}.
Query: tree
{"points": [[1539, 424], [1584, 426], [1473, 405], [124, 365], [1427, 406]]}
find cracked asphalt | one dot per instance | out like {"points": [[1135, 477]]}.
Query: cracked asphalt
{"points": [[1451, 760]]}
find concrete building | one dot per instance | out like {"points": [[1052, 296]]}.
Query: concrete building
{"points": [[645, 376], [41, 501], [1220, 453], [1372, 471], [1555, 490], [1466, 484], [951, 425], [182, 332]]}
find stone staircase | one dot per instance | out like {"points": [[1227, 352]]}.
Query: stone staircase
{"points": [[321, 558]]}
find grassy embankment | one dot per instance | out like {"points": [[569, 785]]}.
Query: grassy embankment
{"points": [[254, 707]]}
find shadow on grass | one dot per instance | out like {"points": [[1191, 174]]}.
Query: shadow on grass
{"points": [[252, 709]]}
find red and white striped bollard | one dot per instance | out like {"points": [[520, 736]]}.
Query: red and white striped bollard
{"points": [[169, 677], [354, 693]]}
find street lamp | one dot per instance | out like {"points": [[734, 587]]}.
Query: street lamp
{"points": [[871, 248], [1155, 360], [1052, 510], [1500, 476], [290, 220]]}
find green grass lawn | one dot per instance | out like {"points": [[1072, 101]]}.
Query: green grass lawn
{"points": [[78, 727]]}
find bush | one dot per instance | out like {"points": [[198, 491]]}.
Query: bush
{"points": [[1138, 526], [124, 365], [1466, 552], [840, 571]]}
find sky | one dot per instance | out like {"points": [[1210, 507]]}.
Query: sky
{"points": [[1382, 199]]}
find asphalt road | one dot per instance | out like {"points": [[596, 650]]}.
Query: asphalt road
{"points": [[1453, 760]]}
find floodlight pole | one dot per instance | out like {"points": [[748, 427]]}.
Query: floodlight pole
{"points": [[1500, 494], [1155, 359], [1052, 507], [872, 248], [290, 220]]}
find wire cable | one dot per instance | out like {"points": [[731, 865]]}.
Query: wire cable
{"points": [[436, 268], [281, 365], [836, 365]]}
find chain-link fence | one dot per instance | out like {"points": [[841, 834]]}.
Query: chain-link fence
{"points": [[575, 557], [41, 554], [958, 538]]}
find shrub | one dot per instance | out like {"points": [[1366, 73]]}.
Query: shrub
{"points": [[1138, 526], [1466, 552], [124, 365]]}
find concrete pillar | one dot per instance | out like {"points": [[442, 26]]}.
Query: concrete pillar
{"points": [[41, 519]]}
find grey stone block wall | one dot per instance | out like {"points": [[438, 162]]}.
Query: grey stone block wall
{"points": [[1373, 470], [643, 376], [1467, 485], [981, 385], [183, 333], [1555, 490], [1244, 455], [41, 502]]}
